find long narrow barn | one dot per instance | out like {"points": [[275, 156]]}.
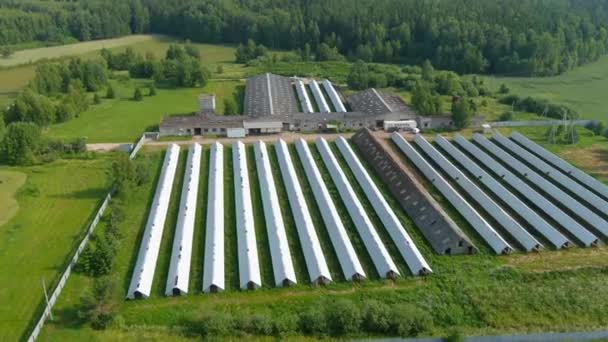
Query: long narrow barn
{"points": [[213, 270], [303, 97], [572, 226], [549, 171], [319, 97], [408, 250], [333, 96], [282, 265], [143, 273], [563, 165], [517, 206], [379, 254], [181, 254], [249, 266], [552, 190], [510, 225], [347, 257], [311, 247], [477, 222]]}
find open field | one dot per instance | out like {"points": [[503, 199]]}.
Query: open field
{"points": [[33, 55], [10, 182], [55, 202], [16, 76], [122, 119], [480, 294], [583, 89]]}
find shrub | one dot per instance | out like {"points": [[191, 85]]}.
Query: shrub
{"points": [[313, 322], [284, 324], [503, 89], [152, 90], [260, 323], [376, 317], [216, 324], [407, 320], [343, 317], [137, 95], [96, 99], [102, 318], [506, 116], [110, 93]]}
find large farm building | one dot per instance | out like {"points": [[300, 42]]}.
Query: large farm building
{"points": [[276, 103]]}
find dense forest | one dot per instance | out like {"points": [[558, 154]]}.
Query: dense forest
{"points": [[515, 37]]}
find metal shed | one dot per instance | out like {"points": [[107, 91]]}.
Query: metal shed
{"points": [[333, 96], [549, 171], [379, 254], [303, 96], [311, 247], [143, 272], [552, 190], [181, 254], [213, 269], [542, 203], [284, 274], [319, 97], [410, 253], [249, 266], [511, 226], [478, 223], [542, 227], [563, 165], [349, 262]]}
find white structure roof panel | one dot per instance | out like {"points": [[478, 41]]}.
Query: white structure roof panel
{"points": [[410, 253], [282, 265], [143, 272], [311, 247], [181, 254], [380, 257]]}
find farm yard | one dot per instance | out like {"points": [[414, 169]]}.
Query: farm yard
{"points": [[474, 296]]}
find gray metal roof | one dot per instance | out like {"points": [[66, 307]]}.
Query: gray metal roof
{"points": [[375, 102]]}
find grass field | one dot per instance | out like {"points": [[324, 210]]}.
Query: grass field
{"points": [[17, 76], [53, 205], [10, 182], [583, 89], [122, 119], [481, 294]]}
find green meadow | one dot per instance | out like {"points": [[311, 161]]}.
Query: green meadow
{"points": [[583, 88], [43, 213]]}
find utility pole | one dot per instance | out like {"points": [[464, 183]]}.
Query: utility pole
{"points": [[46, 297]]}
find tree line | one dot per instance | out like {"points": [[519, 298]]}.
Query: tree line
{"points": [[515, 37]]}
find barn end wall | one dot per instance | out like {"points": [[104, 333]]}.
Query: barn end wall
{"points": [[444, 236]]}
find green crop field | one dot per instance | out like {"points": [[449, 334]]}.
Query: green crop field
{"points": [[583, 88], [480, 294], [43, 211]]}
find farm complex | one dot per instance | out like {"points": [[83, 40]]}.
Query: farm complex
{"points": [[276, 103], [510, 193]]}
